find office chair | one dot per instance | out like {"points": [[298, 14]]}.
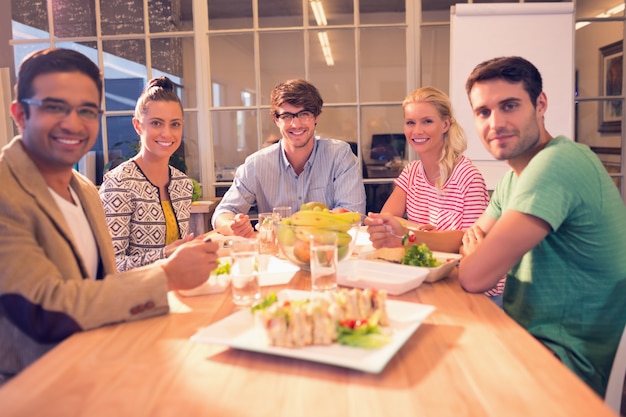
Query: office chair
{"points": [[615, 386]]}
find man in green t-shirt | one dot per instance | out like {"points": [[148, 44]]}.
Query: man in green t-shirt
{"points": [[556, 225]]}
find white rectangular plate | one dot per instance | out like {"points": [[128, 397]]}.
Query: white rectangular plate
{"points": [[449, 261], [238, 331], [394, 278]]}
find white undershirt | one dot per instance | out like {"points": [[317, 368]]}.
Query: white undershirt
{"points": [[81, 229]]}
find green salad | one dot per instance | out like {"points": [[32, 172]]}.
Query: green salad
{"points": [[419, 255], [365, 334], [223, 267]]}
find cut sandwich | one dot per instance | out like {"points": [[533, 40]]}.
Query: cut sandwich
{"points": [[390, 254], [315, 321]]}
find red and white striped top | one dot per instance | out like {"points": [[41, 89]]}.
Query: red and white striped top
{"points": [[456, 206]]}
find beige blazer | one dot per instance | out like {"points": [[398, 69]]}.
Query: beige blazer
{"points": [[45, 292]]}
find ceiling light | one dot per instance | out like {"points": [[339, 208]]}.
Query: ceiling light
{"points": [[328, 54], [318, 12], [615, 10]]}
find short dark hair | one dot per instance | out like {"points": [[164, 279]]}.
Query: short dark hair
{"points": [[299, 93], [52, 60], [513, 69], [158, 89]]}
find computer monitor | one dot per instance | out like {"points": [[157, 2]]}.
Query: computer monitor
{"points": [[386, 147]]}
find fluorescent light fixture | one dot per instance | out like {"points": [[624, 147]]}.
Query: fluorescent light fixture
{"points": [[320, 18], [318, 12], [615, 10], [328, 54]]}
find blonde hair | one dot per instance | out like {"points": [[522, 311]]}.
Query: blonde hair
{"points": [[454, 142]]}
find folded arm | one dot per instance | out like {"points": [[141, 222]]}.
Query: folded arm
{"points": [[494, 248]]}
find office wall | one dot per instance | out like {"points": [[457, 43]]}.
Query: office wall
{"points": [[539, 32]]}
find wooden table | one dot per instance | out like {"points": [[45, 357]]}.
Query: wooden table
{"points": [[467, 359]]}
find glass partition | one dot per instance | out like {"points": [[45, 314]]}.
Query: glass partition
{"points": [[234, 138], [74, 18], [382, 12], [170, 16], [281, 57], [233, 73], [280, 14], [332, 62], [336, 12], [121, 17], [230, 14], [383, 65]]}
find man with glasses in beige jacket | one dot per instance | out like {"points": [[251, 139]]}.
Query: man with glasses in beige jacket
{"points": [[58, 272]]}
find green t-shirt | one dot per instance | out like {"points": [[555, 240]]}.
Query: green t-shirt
{"points": [[570, 290]]}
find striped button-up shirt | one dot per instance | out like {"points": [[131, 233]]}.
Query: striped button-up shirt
{"points": [[266, 179]]}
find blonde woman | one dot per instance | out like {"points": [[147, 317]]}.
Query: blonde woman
{"points": [[442, 190], [148, 202]]}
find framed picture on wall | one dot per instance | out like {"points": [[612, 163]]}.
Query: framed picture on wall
{"points": [[610, 115]]}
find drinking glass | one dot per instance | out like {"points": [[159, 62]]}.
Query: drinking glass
{"points": [[243, 273], [281, 212], [323, 244], [266, 235]]}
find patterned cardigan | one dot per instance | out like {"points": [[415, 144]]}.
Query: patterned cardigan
{"points": [[134, 214]]}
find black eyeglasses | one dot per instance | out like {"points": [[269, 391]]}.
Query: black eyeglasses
{"points": [[303, 115], [60, 109]]}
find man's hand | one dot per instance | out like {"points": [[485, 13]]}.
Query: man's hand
{"points": [[241, 226], [237, 225], [190, 264], [471, 239], [385, 230]]}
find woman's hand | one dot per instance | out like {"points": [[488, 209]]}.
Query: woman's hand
{"points": [[385, 230]]}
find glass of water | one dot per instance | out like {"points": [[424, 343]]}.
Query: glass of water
{"points": [[323, 246], [244, 271], [265, 234], [281, 212]]}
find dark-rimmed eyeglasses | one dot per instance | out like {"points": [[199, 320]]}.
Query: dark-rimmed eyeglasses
{"points": [[60, 109], [303, 116]]}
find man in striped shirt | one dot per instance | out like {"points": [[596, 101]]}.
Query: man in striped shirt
{"points": [[298, 169]]}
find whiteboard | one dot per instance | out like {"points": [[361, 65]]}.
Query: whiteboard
{"points": [[542, 33]]}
